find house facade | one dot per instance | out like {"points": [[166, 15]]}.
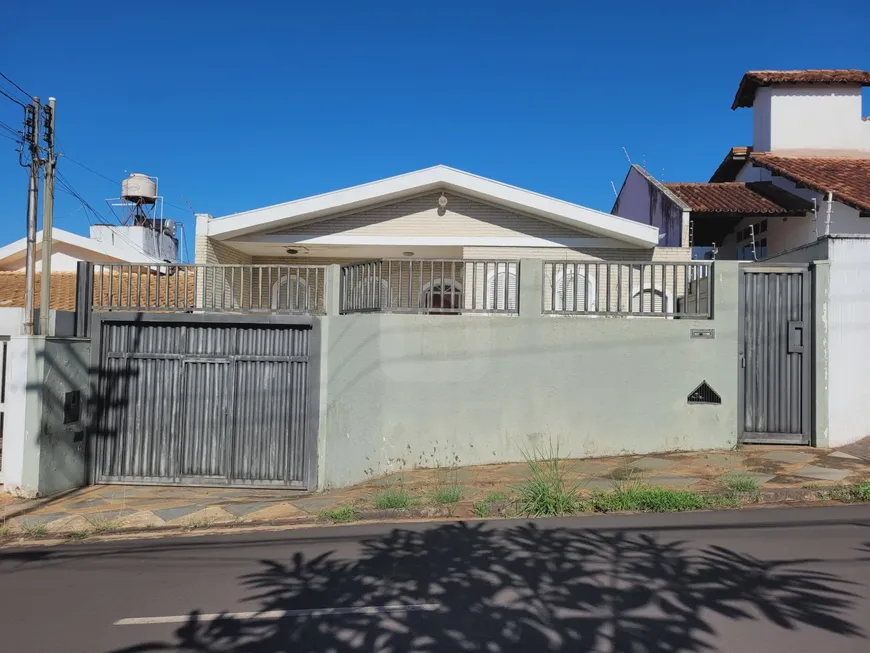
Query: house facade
{"points": [[418, 222]]}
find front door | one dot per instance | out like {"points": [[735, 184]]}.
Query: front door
{"points": [[775, 354]]}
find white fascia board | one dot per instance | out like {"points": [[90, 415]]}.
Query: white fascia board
{"points": [[58, 235], [438, 177], [427, 241]]}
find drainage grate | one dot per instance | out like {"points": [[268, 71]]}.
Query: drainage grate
{"points": [[704, 394]]}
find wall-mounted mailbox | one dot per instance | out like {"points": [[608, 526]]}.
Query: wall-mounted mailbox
{"points": [[72, 406]]}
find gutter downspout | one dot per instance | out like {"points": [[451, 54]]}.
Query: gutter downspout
{"points": [[830, 201]]}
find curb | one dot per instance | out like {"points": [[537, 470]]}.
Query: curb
{"points": [[500, 510]]}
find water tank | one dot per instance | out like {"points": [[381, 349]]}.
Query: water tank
{"points": [[139, 188]]}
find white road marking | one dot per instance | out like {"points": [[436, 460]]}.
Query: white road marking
{"points": [[277, 614]]}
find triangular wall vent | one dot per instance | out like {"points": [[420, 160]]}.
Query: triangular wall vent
{"points": [[704, 394]]}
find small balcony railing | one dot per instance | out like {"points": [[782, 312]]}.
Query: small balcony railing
{"points": [[213, 288], [661, 289], [445, 286]]}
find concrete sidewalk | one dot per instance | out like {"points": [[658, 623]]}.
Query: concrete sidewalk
{"points": [[116, 507]]}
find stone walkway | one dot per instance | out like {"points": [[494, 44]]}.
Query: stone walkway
{"points": [[109, 508]]}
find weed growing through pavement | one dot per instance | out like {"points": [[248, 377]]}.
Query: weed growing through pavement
{"points": [[448, 494], [642, 498], [546, 492], [392, 498], [340, 515], [737, 482], [82, 534], [34, 530], [848, 493], [5, 531], [200, 522], [480, 508], [105, 525]]}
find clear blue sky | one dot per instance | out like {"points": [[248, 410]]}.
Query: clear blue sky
{"points": [[237, 105]]}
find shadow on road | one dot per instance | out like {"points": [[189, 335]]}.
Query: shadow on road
{"points": [[519, 589]]}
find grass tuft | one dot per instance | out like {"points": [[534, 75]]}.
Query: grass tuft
{"points": [[849, 493], [447, 494], [480, 508], [5, 531], [392, 498], [496, 496], [648, 499], [105, 525], [738, 482], [861, 491], [34, 530], [340, 515], [546, 492], [77, 535]]}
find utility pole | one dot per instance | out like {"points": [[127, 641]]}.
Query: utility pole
{"points": [[47, 217], [31, 137]]}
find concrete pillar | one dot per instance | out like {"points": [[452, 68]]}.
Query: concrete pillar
{"points": [[531, 287], [332, 291], [22, 419], [821, 286]]}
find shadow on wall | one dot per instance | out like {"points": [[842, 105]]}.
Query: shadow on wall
{"points": [[518, 589], [69, 442]]}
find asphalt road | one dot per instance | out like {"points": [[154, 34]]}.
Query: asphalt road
{"points": [[784, 580]]}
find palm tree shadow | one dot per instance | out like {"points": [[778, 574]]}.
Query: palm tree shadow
{"points": [[522, 589]]}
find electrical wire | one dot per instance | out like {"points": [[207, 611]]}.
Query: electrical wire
{"points": [[67, 187], [18, 102], [10, 129], [91, 170], [15, 85]]}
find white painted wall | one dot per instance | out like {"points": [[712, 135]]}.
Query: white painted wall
{"points": [[136, 244], [809, 117], [795, 232], [640, 200], [849, 340]]}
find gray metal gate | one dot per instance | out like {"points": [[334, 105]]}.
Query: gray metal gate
{"points": [[195, 400], [775, 354]]}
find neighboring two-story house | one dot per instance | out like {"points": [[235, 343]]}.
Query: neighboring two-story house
{"points": [[806, 175]]}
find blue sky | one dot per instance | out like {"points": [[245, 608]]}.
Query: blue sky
{"points": [[238, 105]]}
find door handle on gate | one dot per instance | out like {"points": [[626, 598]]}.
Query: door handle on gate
{"points": [[795, 337]]}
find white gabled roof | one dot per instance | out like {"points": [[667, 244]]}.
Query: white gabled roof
{"points": [[101, 250], [429, 179], [15, 248]]}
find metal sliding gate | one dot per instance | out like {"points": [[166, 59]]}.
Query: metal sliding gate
{"points": [[775, 354], [205, 402]]}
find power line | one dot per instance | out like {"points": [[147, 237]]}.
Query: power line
{"points": [[91, 170], [67, 187], [10, 138], [9, 129], [18, 102], [15, 85]]}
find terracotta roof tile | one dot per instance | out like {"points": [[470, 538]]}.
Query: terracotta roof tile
{"points": [[755, 79], [737, 198], [847, 178], [63, 289], [732, 164]]}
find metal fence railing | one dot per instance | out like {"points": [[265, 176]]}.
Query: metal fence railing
{"points": [[213, 288], [444, 286], [678, 289]]}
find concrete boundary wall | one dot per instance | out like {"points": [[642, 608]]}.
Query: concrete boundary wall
{"points": [[405, 391], [847, 318]]}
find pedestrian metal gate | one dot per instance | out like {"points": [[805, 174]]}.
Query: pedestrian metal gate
{"points": [[204, 402], [775, 353]]}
